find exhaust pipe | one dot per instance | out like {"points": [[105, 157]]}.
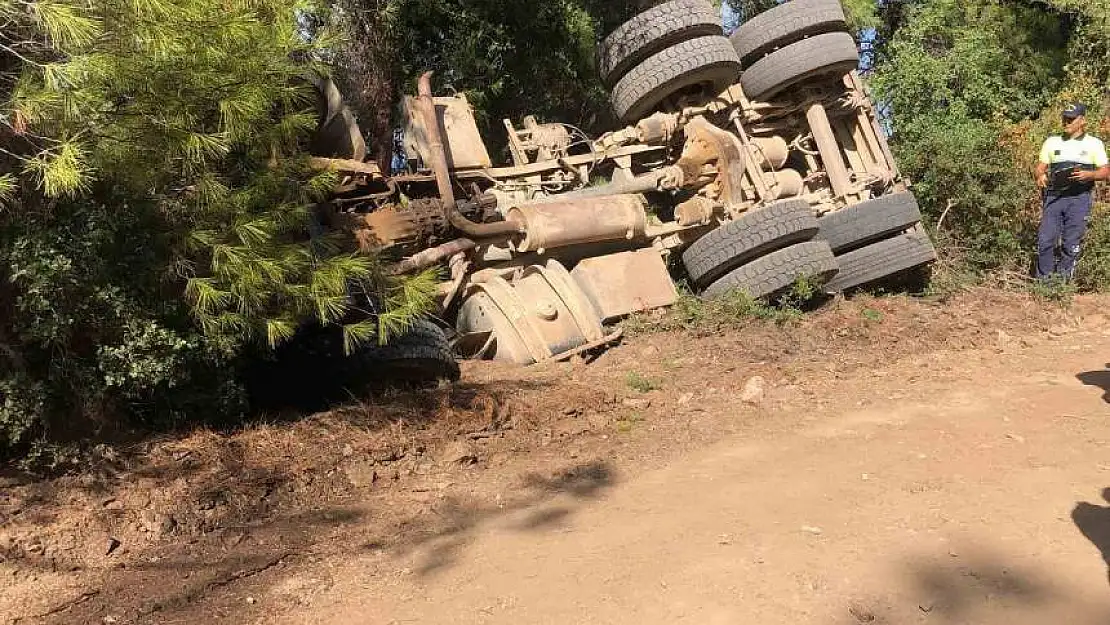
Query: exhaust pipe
{"points": [[443, 180]]}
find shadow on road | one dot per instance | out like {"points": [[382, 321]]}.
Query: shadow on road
{"points": [[1094, 521], [1100, 379], [969, 587], [542, 503]]}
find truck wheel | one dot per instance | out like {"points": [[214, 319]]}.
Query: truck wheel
{"points": [[773, 274], [708, 62], [855, 226], [652, 31], [883, 260], [423, 354], [751, 235], [786, 24], [831, 54]]}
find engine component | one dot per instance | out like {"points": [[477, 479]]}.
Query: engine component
{"points": [[590, 220], [538, 314], [706, 144], [782, 184], [438, 158], [769, 152], [696, 210], [394, 225]]}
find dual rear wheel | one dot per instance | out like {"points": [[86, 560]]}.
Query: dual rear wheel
{"points": [[678, 50]]}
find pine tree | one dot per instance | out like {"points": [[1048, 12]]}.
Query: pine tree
{"points": [[156, 202]]}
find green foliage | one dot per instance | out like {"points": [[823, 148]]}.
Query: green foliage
{"points": [[962, 80], [1053, 289], [640, 383], [509, 58], [1093, 271], [729, 310], [872, 315], [862, 14], [155, 209]]}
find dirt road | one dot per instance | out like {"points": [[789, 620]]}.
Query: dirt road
{"points": [[959, 487], [901, 462]]}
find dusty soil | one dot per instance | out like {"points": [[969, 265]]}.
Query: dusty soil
{"points": [[884, 461]]}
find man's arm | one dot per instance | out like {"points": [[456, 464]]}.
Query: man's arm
{"points": [[1042, 175], [1102, 173], [1041, 171], [1102, 163]]}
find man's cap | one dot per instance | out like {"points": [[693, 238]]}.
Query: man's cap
{"points": [[1075, 109]]}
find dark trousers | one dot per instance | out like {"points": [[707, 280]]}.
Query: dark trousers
{"points": [[1065, 221]]}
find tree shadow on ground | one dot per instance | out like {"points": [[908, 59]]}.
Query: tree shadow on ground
{"points": [[188, 581], [541, 503], [283, 489], [1100, 379], [954, 591], [1094, 522]]}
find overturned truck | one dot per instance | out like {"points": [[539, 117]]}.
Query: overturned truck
{"points": [[748, 162]]}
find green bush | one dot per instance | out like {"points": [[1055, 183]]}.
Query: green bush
{"points": [[1092, 273]]}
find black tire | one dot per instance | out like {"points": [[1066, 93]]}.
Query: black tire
{"points": [[706, 60], [311, 371], [856, 226], [750, 236], [786, 24], [773, 274], [653, 31], [831, 54], [879, 261], [423, 354]]}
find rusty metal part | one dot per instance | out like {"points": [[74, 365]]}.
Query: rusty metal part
{"points": [[582, 349], [547, 141], [706, 144], [345, 165], [663, 179], [696, 210], [395, 225], [443, 180], [870, 123], [432, 256], [462, 143], [658, 128], [536, 169], [769, 152], [751, 167], [785, 183], [460, 265], [533, 314], [559, 224], [624, 283], [829, 150]]}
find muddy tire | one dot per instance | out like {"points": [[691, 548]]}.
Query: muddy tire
{"points": [[773, 274], [652, 32], [706, 61], [881, 261], [748, 237], [858, 225], [831, 54], [423, 354], [786, 24]]}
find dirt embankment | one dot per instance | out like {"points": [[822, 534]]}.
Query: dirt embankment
{"points": [[170, 526]]}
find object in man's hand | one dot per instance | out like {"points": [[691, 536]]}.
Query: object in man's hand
{"points": [[1060, 179]]}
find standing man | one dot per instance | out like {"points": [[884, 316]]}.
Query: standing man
{"points": [[1067, 172]]}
